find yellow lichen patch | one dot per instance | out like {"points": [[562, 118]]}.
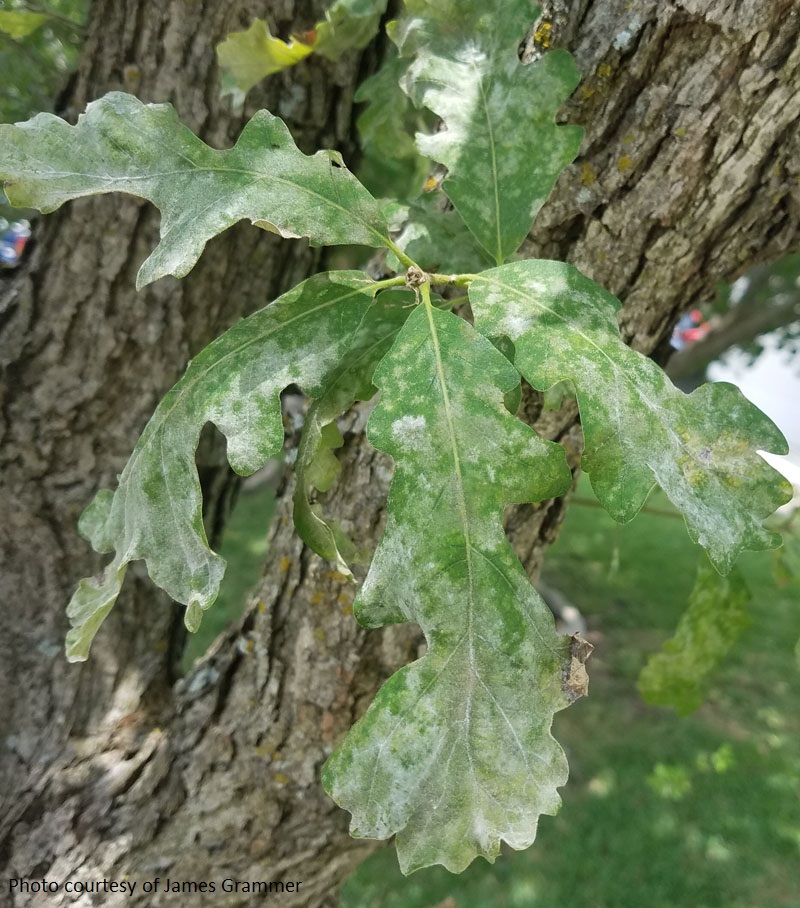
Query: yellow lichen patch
{"points": [[680, 132], [337, 576], [281, 779], [317, 598], [543, 36], [319, 634], [604, 71], [286, 563], [625, 164], [345, 603], [588, 174], [627, 139]]}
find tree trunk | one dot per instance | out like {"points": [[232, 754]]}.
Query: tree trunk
{"points": [[85, 359], [689, 173]]}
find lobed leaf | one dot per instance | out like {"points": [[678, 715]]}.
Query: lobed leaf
{"points": [[316, 467], [155, 513], [455, 753], [122, 145], [500, 144], [639, 429], [706, 633]]}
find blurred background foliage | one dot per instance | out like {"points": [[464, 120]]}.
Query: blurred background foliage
{"points": [[39, 46]]}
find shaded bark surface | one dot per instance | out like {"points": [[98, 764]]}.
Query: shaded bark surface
{"points": [[690, 172]]}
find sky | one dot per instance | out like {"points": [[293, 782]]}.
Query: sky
{"points": [[773, 385]]}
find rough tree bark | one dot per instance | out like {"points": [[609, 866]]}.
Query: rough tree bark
{"points": [[85, 359], [690, 172]]}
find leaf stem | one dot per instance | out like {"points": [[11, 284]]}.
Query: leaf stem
{"points": [[401, 256], [451, 280], [398, 281]]}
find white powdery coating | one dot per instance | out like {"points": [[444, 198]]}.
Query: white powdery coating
{"points": [[407, 431]]}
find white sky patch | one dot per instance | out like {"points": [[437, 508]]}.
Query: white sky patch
{"points": [[739, 289]]}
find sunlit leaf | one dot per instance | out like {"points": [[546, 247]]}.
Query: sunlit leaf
{"points": [[500, 142], [20, 23], [122, 145], [455, 754], [706, 633], [640, 430], [254, 54], [235, 383]]}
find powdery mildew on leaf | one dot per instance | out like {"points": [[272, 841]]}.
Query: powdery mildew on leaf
{"points": [[155, 513], [456, 754], [500, 143], [639, 429], [122, 145]]}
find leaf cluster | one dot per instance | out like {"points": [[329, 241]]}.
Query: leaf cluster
{"points": [[455, 754]]}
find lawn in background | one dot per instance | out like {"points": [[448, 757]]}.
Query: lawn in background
{"points": [[660, 811]]}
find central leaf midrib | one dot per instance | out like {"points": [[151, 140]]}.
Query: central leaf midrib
{"points": [[461, 499]]}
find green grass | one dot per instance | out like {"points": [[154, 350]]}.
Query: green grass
{"points": [[660, 811], [244, 547]]}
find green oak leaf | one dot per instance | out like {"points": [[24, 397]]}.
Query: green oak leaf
{"points": [[21, 23], [455, 752], [316, 467], [235, 382], [706, 633], [391, 165], [251, 55], [348, 25], [382, 124], [436, 238], [122, 145], [639, 429], [500, 144]]}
